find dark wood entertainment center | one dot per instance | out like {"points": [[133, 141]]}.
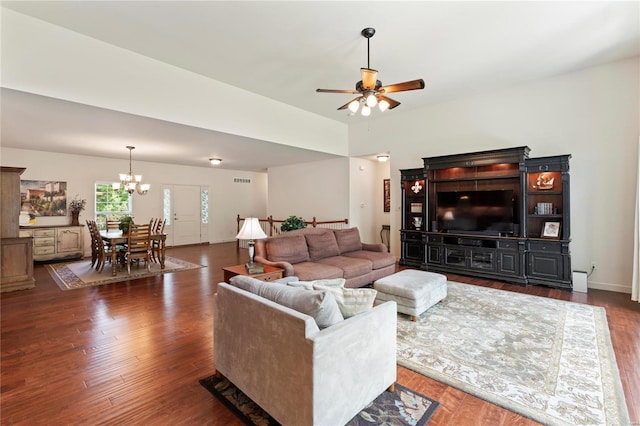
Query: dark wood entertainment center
{"points": [[531, 246]]}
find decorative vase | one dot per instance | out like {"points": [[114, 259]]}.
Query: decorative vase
{"points": [[74, 218], [24, 218]]}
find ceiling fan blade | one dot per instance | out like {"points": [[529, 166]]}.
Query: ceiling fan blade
{"points": [[402, 87], [392, 103], [345, 106], [369, 78], [352, 92]]}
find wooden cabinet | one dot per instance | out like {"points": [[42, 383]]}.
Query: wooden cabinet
{"points": [[16, 264], [547, 195], [496, 214], [547, 225], [55, 242], [413, 190]]}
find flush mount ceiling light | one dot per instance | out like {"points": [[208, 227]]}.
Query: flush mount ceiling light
{"points": [[130, 182], [215, 161], [371, 90], [383, 157]]}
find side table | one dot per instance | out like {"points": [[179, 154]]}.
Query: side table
{"points": [[270, 273]]}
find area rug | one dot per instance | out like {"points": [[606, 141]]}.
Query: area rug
{"points": [[74, 275], [546, 359], [402, 407]]}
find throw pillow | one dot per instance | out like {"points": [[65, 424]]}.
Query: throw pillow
{"points": [[307, 285], [348, 240], [320, 305], [322, 245], [329, 282], [351, 301], [291, 249]]}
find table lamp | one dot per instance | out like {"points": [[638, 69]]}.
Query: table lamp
{"points": [[251, 230]]}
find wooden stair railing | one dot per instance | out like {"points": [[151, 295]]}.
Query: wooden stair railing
{"points": [[271, 226]]}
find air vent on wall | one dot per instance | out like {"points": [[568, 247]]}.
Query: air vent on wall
{"points": [[241, 180]]}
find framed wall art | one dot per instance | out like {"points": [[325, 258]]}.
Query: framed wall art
{"points": [[551, 230], [43, 197], [386, 190]]}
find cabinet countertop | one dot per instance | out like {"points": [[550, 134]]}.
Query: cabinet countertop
{"points": [[49, 226]]}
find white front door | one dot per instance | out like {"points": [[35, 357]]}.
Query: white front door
{"points": [[183, 224]]}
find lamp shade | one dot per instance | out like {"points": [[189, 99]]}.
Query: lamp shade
{"points": [[251, 230]]}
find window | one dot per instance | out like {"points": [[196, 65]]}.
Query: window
{"points": [[110, 204], [204, 205]]}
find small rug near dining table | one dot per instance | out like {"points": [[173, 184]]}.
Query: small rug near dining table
{"points": [[80, 274]]}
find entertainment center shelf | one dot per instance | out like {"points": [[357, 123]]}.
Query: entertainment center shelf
{"points": [[494, 214]]}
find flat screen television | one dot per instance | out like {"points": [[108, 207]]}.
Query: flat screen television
{"points": [[477, 212]]}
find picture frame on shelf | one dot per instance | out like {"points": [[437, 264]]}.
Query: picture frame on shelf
{"points": [[386, 190], [550, 230]]}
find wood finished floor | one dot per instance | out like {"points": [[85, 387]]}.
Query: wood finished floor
{"points": [[132, 352]]}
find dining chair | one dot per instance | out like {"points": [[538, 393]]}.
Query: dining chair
{"points": [[155, 244], [139, 245], [154, 223], [101, 252], [91, 225], [112, 225]]}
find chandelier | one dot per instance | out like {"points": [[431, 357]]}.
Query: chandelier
{"points": [[130, 182]]}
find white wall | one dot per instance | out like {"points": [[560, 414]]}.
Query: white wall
{"points": [[319, 189], [41, 58], [332, 190], [362, 198], [226, 198], [591, 114]]}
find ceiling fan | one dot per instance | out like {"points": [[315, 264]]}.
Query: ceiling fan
{"points": [[371, 90]]}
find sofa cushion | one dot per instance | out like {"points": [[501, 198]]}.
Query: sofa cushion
{"points": [[378, 259], [322, 245], [291, 249], [348, 240], [320, 305], [351, 301], [351, 267], [309, 271]]}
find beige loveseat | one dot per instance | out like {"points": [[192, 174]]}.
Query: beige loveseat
{"points": [[297, 372], [321, 253]]}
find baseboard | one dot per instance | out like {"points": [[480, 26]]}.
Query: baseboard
{"points": [[609, 287]]}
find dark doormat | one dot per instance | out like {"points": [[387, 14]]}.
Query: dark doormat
{"points": [[402, 407]]}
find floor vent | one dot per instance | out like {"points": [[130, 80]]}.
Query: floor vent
{"points": [[241, 180]]}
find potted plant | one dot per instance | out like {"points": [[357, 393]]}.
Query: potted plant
{"points": [[292, 223], [125, 221], [75, 207]]}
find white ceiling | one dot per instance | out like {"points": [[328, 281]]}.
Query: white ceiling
{"points": [[285, 50]]}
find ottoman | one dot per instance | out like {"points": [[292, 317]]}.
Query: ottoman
{"points": [[414, 291]]}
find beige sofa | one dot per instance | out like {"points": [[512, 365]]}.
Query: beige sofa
{"points": [[321, 253], [298, 373]]}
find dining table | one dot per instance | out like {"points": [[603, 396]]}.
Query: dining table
{"points": [[113, 238]]}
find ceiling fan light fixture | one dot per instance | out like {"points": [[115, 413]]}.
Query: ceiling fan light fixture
{"points": [[354, 105], [370, 89], [371, 100]]}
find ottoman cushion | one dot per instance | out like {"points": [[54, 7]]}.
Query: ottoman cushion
{"points": [[414, 291]]}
